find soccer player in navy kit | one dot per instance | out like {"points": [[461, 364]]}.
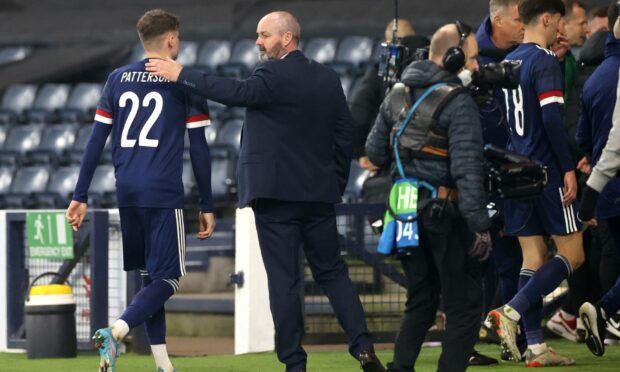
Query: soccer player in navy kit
{"points": [[147, 117], [537, 131]]}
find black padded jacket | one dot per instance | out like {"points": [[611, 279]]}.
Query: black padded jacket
{"points": [[461, 119]]}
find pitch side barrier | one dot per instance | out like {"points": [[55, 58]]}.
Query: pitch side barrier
{"points": [[36, 241]]}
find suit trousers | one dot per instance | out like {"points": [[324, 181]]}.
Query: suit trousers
{"points": [[283, 229], [440, 268]]}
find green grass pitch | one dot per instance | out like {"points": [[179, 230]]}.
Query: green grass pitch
{"points": [[317, 362]]}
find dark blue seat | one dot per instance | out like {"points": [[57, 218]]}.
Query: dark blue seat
{"points": [[56, 140], [20, 140], [74, 154], [357, 176], [230, 134], [81, 104], [188, 53], [137, 53], [223, 187], [50, 98], [14, 54], [6, 178], [16, 99], [59, 190], [212, 54], [322, 50], [28, 182], [355, 50], [102, 190], [243, 58]]}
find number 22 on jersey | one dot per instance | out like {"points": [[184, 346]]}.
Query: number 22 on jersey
{"points": [[132, 99], [514, 109]]}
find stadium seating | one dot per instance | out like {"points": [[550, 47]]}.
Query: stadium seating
{"points": [[58, 148], [243, 58], [19, 141], [188, 53], [81, 104], [49, 98], [322, 50], [55, 140], [28, 182], [213, 53], [16, 99], [102, 190], [357, 176], [59, 189], [230, 134], [14, 54]]}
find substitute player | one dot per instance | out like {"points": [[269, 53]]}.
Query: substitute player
{"points": [[147, 117], [537, 131]]}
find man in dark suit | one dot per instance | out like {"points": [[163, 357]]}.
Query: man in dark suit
{"points": [[293, 167]]}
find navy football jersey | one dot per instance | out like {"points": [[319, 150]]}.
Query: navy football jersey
{"points": [[149, 116], [534, 110]]}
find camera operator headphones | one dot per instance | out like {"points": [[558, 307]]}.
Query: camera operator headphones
{"points": [[454, 59]]}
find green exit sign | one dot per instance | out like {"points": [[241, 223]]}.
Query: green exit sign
{"points": [[49, 235]]}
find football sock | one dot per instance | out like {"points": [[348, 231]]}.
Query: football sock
{"points": [[149, 300], [160, 353], [532, 316], [120, 329], [547, 278]]}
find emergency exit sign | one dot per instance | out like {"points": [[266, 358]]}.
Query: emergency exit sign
{"points": [[49, 235]]}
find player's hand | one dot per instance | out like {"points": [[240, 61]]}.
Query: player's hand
{"points": [[207, 225], [75, 214], [584, 166], [560, 47], [166, 68], [592, 223], [570, 188]]}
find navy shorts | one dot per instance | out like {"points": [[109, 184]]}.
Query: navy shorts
{"points": [[153, 240], [543, 215]]}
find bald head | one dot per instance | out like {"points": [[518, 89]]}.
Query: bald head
{"points": [[277, 35], [405, 28], [443, 39], [284, 22]]}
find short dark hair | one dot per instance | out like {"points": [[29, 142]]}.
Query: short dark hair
{"points": [[612, 14], [569, 5], [155, 23], [599, 11], [530, 10]]}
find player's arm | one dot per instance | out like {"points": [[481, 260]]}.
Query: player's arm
{"points": [[92, 153], [548, 80], [201, 162], [252, 92]]}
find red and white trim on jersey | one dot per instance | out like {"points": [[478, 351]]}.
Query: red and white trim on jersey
{"points": [[569, 215], [198, 121], [103, 117], [552, 96]]}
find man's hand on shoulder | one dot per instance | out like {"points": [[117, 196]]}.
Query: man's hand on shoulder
{"points": [[207, 225], [76, 213], [166, 68]]}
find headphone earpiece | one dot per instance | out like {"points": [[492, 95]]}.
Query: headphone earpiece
{"points": [[454, 58]]}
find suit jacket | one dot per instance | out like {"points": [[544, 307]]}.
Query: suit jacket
{"points": [[296, 139]]}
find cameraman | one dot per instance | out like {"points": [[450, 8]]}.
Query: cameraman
{"points": [[447, 262]]}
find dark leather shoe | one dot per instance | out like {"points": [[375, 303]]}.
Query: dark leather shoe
{"points": [[477, 359], [370, 362]]}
